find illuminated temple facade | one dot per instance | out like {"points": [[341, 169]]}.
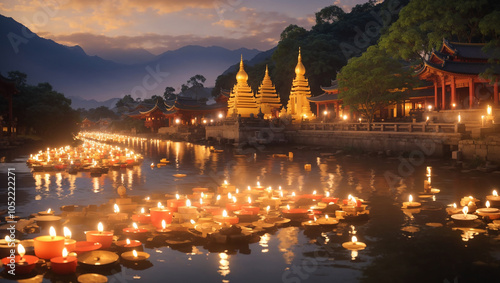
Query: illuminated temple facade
{"points": [[298, 105], [267, 97], [242, 100]]}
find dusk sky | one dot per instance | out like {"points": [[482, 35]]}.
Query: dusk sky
{"points": [[161, 25]]}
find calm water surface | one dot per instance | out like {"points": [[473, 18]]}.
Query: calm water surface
{"points": [[401, 247]]}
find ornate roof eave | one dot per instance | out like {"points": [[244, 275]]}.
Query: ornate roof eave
{"points": [[429, 66]]}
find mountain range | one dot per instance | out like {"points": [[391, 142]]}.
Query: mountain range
{"points": [[77, 75]]}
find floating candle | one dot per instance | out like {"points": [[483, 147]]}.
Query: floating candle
{"points": [[411, 204], [354, 244], [135, 232], [142, 217], [47, 212], [226, 219], [69, 243], [232, 206], [464, 219], [19, 264], [163, 228], [135, 256], [160, 213], [105, 238], [48, 247], [65, 264], [127, 245], [250, 208]]}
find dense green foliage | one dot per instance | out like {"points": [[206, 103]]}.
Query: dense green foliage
{"points": [[98, 113], [374, 80], [423, 24], [42, 111]]}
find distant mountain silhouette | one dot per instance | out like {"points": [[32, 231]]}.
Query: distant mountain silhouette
{"points": [[260, 57], [74, 73]]}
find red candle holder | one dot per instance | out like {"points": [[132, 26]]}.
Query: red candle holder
{"points": [[142, 218], [105, 238], [329, 200], [232, 206], [48, 247], [160, 213], [63, 265], [231, 220], [84, 246], [135, 233], [24, 266], [174, 204]]}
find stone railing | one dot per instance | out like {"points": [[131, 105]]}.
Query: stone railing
{"points": [[384, 127]]}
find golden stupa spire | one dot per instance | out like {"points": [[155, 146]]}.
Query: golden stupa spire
{"points": [[242, 76], [300, 70]]}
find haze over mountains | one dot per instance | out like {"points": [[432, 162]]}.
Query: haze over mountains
{"points": [[75, 74]]}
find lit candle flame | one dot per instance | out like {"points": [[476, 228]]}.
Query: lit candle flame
{"points": [[488, 110], [142, 210], [160, 205], [234, 199], [293, 194], [258, 184], [229, 196], [218, 197], [249, 188], [237, 191], [116, 208], [100, 228], [52, 232], [163, 224], [201, 201], [410, 198], [281, 193], [7, 238], [67, 233], [326, 216], [188, 203], [224, 213], [177, 196], [192, 221], [135, 225], [267, 208], [225, 182], [288, 207], [20, 250], [127, 241], [327, 194], [495, 193], [354, 239], [314, 192], [465, 210], [49, 210], [134, 252], [249, 200], [487, 204], [454, 205], [65, 253]]}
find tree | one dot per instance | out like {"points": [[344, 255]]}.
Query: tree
{"points": [[42, 111], [329, 14], [489, 26], [169, 93], [194, 85], [423, 24], [373, 81], [125, 101]]}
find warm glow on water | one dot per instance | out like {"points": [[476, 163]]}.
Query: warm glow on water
{"points": [[277, 252]]}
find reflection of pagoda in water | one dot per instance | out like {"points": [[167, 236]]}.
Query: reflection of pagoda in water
{"points": [[298, 105]]}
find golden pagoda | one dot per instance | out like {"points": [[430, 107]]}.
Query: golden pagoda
{"points": [[267, 97], [298, 106], [242, 101]]}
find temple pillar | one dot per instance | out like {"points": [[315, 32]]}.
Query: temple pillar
{"points": [[495, 93], [337, 109], [443, 93], [471, 93], [453, 93], [435, 95], [317, 109]]}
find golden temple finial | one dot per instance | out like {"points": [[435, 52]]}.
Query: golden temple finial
{"points": [[267, 70], [241, 76], [300, 70]]}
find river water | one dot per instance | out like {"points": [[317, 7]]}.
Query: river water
{"points": [[401, 247]]}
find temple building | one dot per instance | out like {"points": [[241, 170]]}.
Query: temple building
{"points": [[298, 106], [156, 117], [267, 97], [328, 103], [454, 72], [242, 101]]}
